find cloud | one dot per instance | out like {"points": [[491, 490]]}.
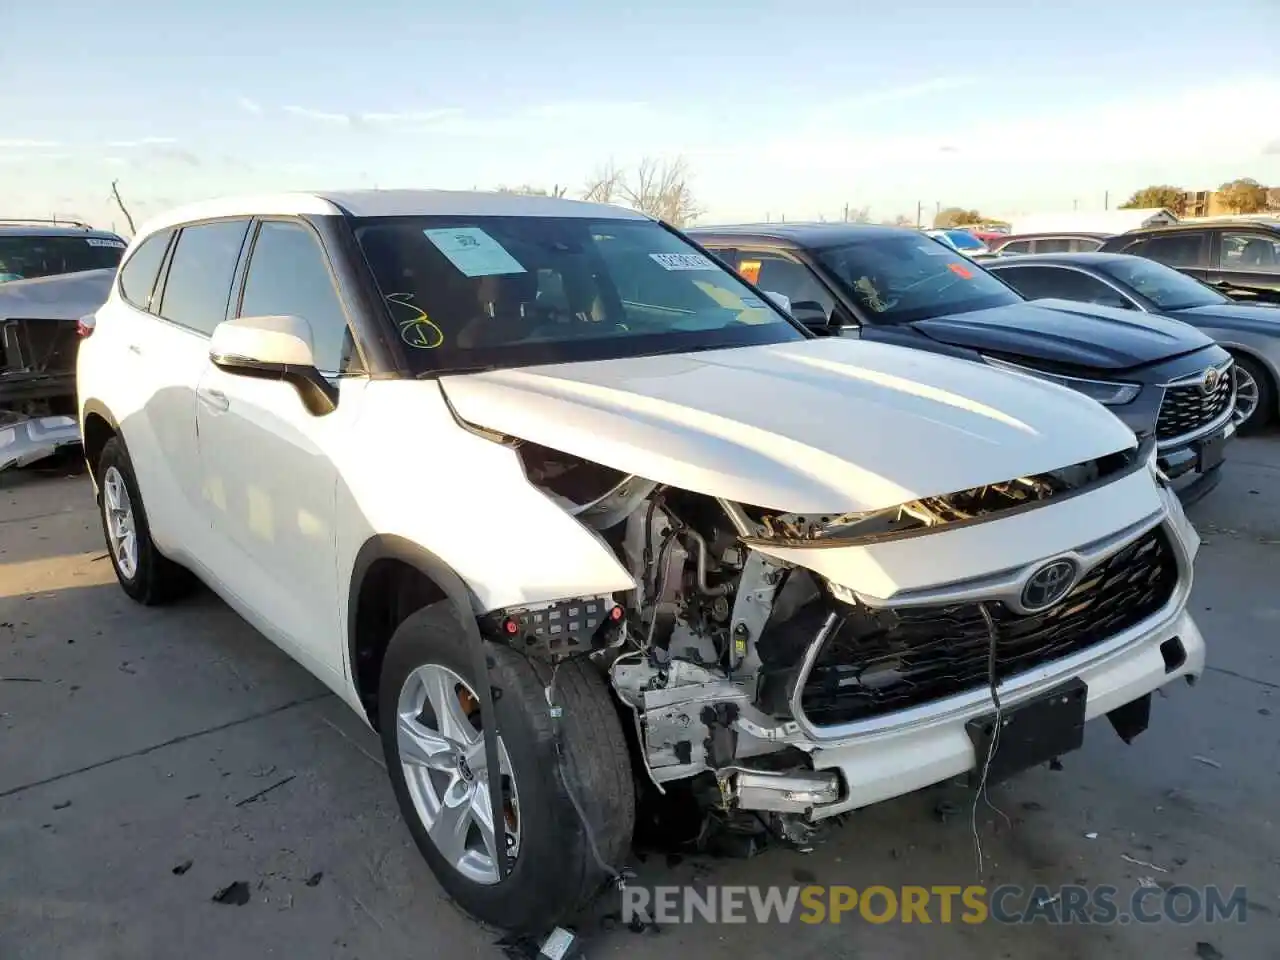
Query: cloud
{"points": [[252, 106], [28, 144], [143, 142], [411, 117], [345, 119]]}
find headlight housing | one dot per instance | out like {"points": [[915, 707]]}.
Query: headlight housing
{"points": [[1112, 393]]}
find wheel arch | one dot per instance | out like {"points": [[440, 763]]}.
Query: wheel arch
{"points": [[97, 426], [1259, 357], [391, 578]]}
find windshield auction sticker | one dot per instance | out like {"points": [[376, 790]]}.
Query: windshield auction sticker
{"points": [[474, 252], [682, 261], [103, 242]]}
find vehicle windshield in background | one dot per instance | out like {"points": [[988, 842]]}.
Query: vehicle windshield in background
{"points": [[27, 257], [482, 292], [905, 277], [962, 240], [1164, 286]]}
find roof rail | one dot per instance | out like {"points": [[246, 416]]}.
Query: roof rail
{"points": [[56, 222]]}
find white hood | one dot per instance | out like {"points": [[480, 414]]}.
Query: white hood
{"points": [[818, 426]]}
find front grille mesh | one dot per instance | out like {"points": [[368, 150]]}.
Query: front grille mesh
{"points": [[880, 661], [1186, 407]]}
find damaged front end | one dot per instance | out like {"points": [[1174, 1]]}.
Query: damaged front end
{"points": [[800, 666]]}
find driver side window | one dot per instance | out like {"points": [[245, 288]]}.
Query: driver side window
{"points": [[1036, 283], [776, 273]]}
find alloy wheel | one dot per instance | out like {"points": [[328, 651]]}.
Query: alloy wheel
{"points": [[121, 530], [440, 735]]}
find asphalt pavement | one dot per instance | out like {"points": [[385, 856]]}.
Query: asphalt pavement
{"points": [[153, 758]]}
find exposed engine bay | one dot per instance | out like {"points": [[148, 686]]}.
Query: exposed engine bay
{"points": [[728, 658]]}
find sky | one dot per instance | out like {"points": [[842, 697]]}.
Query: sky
{"points": [[779, 108]]}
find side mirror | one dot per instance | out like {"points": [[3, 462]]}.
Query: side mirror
{"points": [[813, 315], [274, 348]]}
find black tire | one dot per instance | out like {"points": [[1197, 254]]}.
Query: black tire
{"points": [[1266, 409], [157, 579], [555, 874]]}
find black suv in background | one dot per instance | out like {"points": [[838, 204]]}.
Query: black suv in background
{"points": [[1239, 257], [1164, 379]]}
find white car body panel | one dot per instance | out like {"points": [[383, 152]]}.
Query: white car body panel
{"points": [[827, 425], [466, 499]]}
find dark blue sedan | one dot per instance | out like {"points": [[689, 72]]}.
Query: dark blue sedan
{"points": [[1251, 332]]}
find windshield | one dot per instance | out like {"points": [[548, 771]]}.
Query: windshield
{"points": [[899, 278], [1164, 286], [482, 292], [25, 258]]}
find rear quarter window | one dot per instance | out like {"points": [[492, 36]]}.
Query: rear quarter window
{"points": [[138, 275]]}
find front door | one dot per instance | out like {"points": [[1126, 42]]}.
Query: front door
{"points": [[269, 474]]}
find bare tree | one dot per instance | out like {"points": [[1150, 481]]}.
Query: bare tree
{"points": [[661, 189], [115, 192], [605, 185]]}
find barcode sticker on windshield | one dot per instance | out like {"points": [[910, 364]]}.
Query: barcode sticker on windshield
{"points": [[101, 242], [682, 261], [474, 252]]}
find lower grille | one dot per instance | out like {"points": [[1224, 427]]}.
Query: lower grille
{"points": [[881, 661], [1187, 407]]}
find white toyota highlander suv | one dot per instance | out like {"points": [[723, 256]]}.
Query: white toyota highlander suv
{"points": [[569, 512]]}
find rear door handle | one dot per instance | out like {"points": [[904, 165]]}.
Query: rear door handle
{"points": [[215, 399]]}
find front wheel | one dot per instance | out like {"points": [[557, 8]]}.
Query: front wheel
{"points": [[433, 738], [1255, 395]]}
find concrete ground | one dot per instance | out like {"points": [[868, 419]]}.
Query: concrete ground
{"points": [[150, 758]]}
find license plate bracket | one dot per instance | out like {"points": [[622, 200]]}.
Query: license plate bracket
{"points": [[1034, 732], [1209, 452]]}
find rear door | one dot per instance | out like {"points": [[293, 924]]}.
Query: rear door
{"points": [[1247, 265], [166, 349]]}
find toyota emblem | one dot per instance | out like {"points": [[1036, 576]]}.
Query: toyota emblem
{"points": [[1048, 585], [1210, 382]]}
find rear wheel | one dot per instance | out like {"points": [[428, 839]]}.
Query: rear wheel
{"points": [[145, 574], [433, 737], [1255, 395]]}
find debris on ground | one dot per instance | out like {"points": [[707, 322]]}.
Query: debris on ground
{"points": [[1207, 762], [63, 805], [1207, 951], [1092, 835], [182, 868], [262, 793], [315, 878], [1141, 863], [233, 894]]}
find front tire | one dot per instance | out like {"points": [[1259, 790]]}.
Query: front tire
{"points": [[145, 574], [432, 737]]}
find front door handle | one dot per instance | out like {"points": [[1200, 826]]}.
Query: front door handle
{"points": [[215, 399]]}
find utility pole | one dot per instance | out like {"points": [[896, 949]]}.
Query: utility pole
{"points": [[1075, 204], [1106, 200], [919, 212], [846, 213]]}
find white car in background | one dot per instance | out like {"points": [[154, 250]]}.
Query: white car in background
{"points": [[962, 241], [511, 474]]}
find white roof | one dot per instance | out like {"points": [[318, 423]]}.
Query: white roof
{"points": [[389, 203], [1085, 221]]}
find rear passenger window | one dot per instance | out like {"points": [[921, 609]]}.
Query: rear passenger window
{"points": [[203, 266], [289, 276], [1016, 246], [138, 275], [1053, 245], [1179, 250]]}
